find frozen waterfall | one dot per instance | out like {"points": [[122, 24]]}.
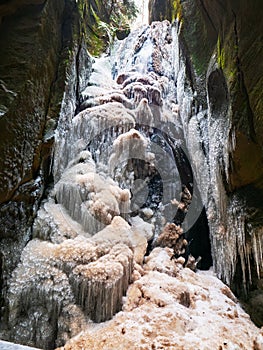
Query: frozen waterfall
{"points": [[130, 164]]}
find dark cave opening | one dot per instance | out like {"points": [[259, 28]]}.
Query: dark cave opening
{"points": [[199, 245], [198, 234]]}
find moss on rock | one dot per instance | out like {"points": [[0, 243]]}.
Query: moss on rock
{"points": [[102, 23]]}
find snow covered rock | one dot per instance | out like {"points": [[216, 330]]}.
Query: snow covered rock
{"points": [[186, 311]]}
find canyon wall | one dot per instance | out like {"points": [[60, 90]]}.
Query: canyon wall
{"points": [[42, 52], [44, 66], [221, 46]]}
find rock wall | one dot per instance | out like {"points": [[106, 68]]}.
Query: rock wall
{"points": [[41, 48], [220, 48]]}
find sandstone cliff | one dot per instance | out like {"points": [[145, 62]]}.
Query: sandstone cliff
{"points": [[222, 45]]}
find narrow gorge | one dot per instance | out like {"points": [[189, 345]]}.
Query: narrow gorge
{"points": [[131, 175]]}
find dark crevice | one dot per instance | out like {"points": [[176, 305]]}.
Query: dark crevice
{"points": [[78, 96], [199, 245], [218, 94], [198, 236], [207, 14], [242, 86], [186, 177]]}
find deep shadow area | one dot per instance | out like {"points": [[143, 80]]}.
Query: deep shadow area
{"points": [[251, 299], [217, 93], [199, 242], [198, 236]]}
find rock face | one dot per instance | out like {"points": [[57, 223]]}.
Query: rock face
{"points": [[223, 59], [39, 45]]}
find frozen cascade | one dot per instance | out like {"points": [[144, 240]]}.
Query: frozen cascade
{"points": [[111, 163], [111, 159], [117, 187]]}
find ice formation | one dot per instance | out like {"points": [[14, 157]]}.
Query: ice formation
{"points": [[168, 307], [58, 287], [117, 187]]}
